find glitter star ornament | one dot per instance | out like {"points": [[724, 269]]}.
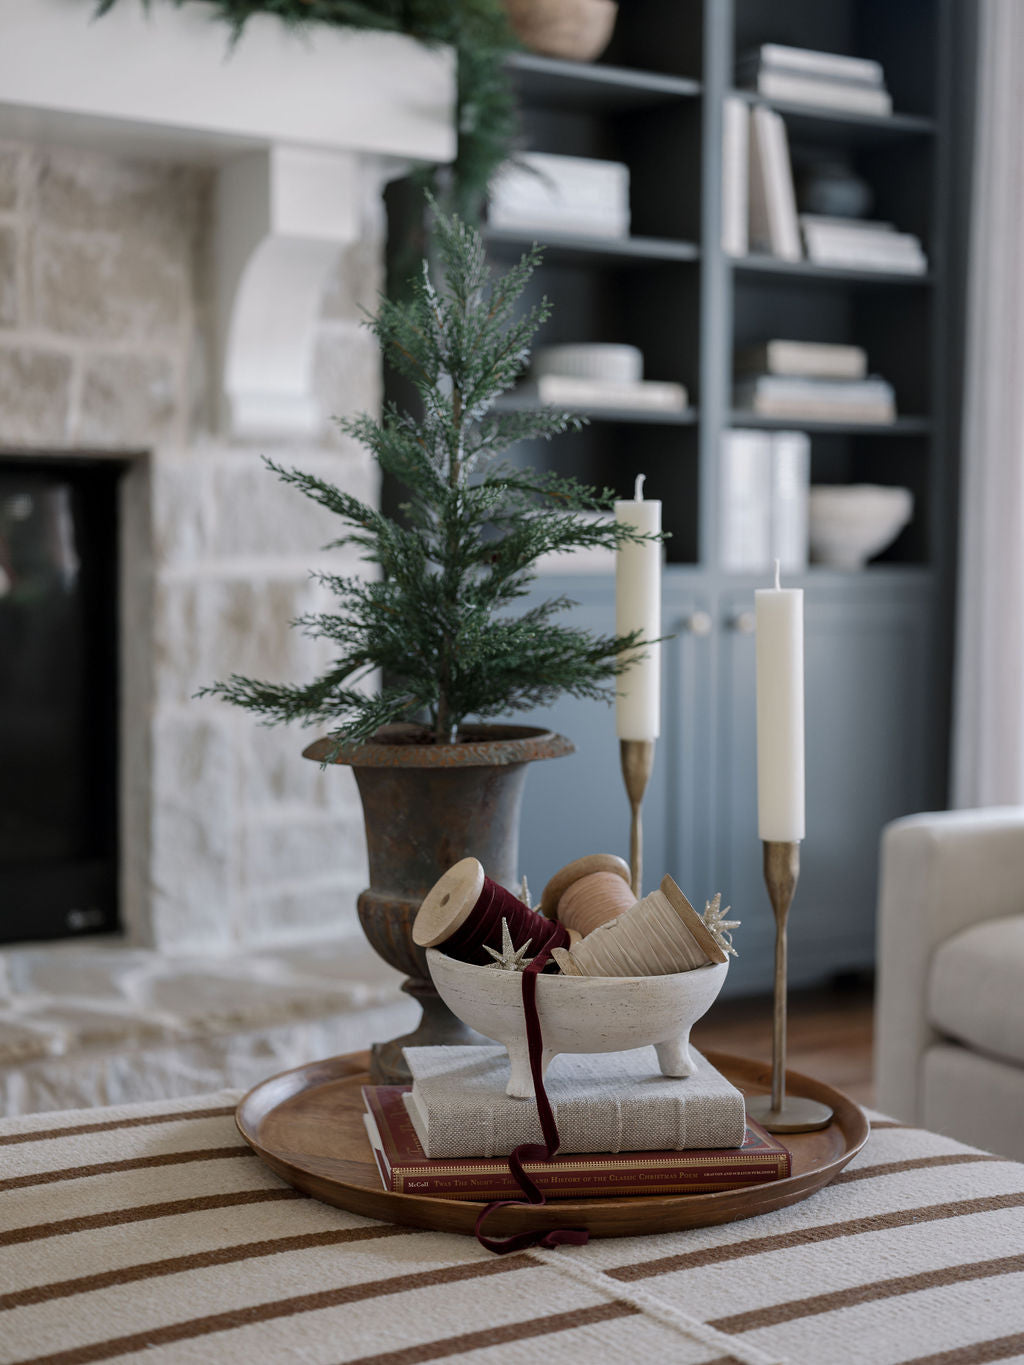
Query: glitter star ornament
{"points": [[510, 959], [714, 918]]}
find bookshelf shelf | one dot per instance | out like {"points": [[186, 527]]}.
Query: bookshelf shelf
{"points": [[810, 272], [842, 126], [903, 426], [557, 84], [563, 247]]}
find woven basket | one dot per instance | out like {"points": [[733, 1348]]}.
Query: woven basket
{"points": [[579, 30]]}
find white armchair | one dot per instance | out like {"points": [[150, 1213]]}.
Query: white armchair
{"points": [[949, 1018]]}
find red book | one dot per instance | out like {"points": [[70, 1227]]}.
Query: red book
{"points": [[404, 1169]]}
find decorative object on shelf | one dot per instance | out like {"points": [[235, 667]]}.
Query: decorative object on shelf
{"points": [[580, 1014], [435, 619], [638, 612], [830, 187], [486, 117], [657, 936], [608, 361], [578, 30], [599, 375], [850, 523], [855, 244], [780, 807]]}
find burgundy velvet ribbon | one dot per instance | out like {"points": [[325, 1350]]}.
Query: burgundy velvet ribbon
{"points": [[481, 929]]}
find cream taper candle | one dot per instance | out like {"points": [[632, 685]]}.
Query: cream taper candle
{"points": [[779, 615], [638, 607]]}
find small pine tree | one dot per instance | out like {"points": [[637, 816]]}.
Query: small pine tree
{"points": [[436, 620]]}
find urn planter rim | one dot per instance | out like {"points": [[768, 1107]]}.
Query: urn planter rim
{"points": [[485, 746]]}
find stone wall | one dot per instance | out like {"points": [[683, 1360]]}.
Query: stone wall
{"points": [[230, 838]]}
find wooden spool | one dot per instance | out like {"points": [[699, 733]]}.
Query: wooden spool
{"points": [[448, 903], [658, 935]]}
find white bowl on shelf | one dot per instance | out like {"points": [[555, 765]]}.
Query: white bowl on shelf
{"points": [[850, 523], [612, 362]]}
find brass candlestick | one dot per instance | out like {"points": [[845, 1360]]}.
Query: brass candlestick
{"points": [[637, 757], [775, 1112]]}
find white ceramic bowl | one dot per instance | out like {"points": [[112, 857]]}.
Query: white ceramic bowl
{"points": [[850, 523], [580, 1014], [614, 363]]}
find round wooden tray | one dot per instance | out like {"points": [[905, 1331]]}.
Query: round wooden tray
{"points": [[307, 1125]]}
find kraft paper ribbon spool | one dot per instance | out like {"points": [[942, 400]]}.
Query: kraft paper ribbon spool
{"points": [[656, 936], [588, 892]]}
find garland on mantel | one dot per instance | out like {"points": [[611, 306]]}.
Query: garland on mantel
{"points": [[479, 32]]}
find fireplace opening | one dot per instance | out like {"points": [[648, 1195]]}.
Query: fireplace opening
{"points": [[58, 697]]}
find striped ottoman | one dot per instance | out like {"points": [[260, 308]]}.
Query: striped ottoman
{"points": [[151, 1231]]}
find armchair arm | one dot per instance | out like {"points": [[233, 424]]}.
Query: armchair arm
{"points": [[940, 873]]}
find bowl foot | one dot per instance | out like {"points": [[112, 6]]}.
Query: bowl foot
{"points": [[674, 1056], [520, 1082]]}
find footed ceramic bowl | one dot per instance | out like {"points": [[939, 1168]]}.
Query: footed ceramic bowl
{"points": [[580, 1014]]}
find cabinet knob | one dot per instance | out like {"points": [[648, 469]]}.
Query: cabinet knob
{"points": [[698, 623], [743, 623]]}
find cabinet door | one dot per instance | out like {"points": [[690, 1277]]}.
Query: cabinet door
{"points": [[868, 715]]}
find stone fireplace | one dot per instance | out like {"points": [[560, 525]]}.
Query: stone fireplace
{"points": [[182, 292]]}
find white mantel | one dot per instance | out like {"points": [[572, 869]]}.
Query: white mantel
{"points": [[293, 120]]}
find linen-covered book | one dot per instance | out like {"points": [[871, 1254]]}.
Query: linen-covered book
{"points": [[405, 1169], [606, 1102]]}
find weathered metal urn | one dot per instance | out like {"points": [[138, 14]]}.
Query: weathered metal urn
{"points": [[426, 806]]}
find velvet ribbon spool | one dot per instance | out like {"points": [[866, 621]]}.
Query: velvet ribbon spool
{"points": [[462, 913]]}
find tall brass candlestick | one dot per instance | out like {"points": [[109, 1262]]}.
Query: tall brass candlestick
{"points": [[776, 1112], [637, 757]]}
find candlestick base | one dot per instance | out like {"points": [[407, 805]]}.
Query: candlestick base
{"points": [[637, 757], [797, 1115], [775, 1112]]}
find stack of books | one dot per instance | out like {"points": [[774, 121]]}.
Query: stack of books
{"points": [[624, 1130], [541, 191], [759, 204], [826, 80], [765, 484], [857, 244], [813, 381]]}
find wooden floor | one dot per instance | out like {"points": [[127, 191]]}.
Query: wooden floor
{"points": [[830, 1034]]}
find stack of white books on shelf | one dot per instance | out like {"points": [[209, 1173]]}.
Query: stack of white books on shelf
{"points": [[541, 191], [811, 381], [858, 244], [826, 80], [765, 480]]}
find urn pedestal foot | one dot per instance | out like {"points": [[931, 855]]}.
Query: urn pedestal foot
{"points": [[438, 1027]]}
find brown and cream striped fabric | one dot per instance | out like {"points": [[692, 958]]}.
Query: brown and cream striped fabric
{"points": [[151, 1231]]}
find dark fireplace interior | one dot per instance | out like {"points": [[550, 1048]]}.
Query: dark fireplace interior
{"points": [[58, 697]]}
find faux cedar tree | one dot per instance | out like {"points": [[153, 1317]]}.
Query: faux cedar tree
{"points": [[486, 120], [436, 619]]}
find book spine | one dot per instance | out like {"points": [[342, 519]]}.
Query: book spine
{"points": [[791, 477], [735, 179], [746, 500], [588, 1185], [774, 223]]}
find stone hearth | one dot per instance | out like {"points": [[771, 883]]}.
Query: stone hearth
{"points": [[240, 861]]}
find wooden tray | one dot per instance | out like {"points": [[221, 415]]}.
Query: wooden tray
{"points": [[307, 1125]]}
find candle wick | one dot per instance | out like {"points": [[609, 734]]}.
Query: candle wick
{"points": [[638, 491], [778, 583]]}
